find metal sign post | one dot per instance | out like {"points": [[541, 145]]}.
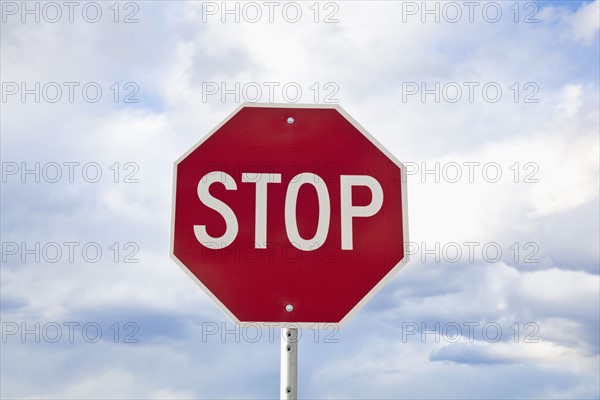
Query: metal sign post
{"points": [[289, 364]]}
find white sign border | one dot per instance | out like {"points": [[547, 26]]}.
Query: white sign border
{"points": [[385, 280]]}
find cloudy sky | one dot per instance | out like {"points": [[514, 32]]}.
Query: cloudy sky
{"points": [[492, 106]]}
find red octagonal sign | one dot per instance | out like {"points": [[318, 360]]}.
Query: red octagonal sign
{"points": [[289, 214]]}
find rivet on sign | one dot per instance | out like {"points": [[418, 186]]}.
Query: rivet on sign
{"points": [[290, 120], [289, 308]]}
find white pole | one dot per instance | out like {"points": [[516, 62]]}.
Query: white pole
{"points": [[289, 364]]}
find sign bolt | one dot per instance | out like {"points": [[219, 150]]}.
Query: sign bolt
{"points": [[290, 120], [289, 308]]}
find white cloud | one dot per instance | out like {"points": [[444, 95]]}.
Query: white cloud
{"points": [[585, 22]]}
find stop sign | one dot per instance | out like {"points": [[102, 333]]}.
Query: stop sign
{"points": [[289, 214]]}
